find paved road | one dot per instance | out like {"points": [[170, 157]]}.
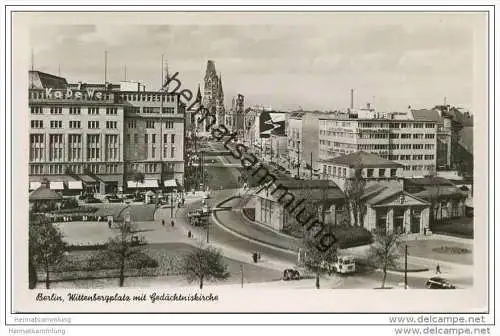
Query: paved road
{"points": [[221, 236], [370, 279]]}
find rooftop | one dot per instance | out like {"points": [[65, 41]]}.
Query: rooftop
{"points": [[43, 80], [44, 193], [363, 159], [467, 138], [426, 115], [430, 181]]}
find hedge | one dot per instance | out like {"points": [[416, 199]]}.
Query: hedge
{"points": [[352, 236], [249, 213], [76, 210], [462, 230], [102, 260]]}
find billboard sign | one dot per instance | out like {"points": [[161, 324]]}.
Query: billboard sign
{"points": [[272, 123]]}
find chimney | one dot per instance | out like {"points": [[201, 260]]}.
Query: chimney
{"points": [[352, 99], [79, 87]]}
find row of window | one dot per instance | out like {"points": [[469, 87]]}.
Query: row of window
{"points": [[148, 97], [150, 124], [371, 135], [415, 157], [152, 138], [74, 147], [92, 124], [419, 168], [75, 110], [108, 168], [377, 146], [396, 125]]}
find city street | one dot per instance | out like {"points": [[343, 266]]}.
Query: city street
{"points": [[245, 237]]}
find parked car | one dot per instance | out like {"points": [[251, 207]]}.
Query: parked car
{"points": [[439, 283], [92, 200], [291, 274], [197, 218], [136, 240], [139, 198], [112, 198]]}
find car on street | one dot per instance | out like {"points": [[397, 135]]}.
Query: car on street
{"points": [[92, 199], [112, 198], [197, 218], [137, 241], [291, 274], [439, 283]]}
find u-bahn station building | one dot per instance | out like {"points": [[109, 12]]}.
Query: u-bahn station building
{"points": [[101, 137]]}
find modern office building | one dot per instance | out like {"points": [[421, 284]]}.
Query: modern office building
{"points": [[99, 136], [396, 137], [303, 141]]}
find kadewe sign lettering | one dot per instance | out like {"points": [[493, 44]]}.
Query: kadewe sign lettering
{"points": [[89, 94]]}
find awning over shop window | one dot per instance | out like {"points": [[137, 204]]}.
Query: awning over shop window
{"points": [[170, 183], [35, 185], [87, 179], [57, 185], [75, 185], [145, 184]]}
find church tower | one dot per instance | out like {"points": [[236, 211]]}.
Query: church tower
{"points": [[213, 95]]}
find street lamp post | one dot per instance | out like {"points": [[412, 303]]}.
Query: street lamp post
{"points": [[311, 165], [298, 158], [172, 205], [406, 266]]}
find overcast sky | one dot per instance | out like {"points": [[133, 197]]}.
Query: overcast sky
{"points": [[391, 63]]}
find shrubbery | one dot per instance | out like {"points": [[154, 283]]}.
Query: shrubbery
{"points": [[100, 260], [351, 236], [462, 230], [77, 209], [249, 213], [69, 203]]}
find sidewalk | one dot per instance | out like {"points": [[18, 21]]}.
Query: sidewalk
{"points": [[234, 221], [199, 239]]}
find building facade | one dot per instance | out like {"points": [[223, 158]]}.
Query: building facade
{"points": [[154, 132], [303, 141], [409, 142], [454, 137], [235, 118], [389, 207], [95, 136]]}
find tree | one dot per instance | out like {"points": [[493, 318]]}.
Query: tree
{"points": [[385, 251], [46, 249], [204, 264], [354, 191], [137, 177], [315, 260], [434, 196], [122, 250]]}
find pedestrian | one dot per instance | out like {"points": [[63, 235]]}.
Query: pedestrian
{"points": [[109, 224], [189, 234], [172, 223], [438, 269], [163, 222]]}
